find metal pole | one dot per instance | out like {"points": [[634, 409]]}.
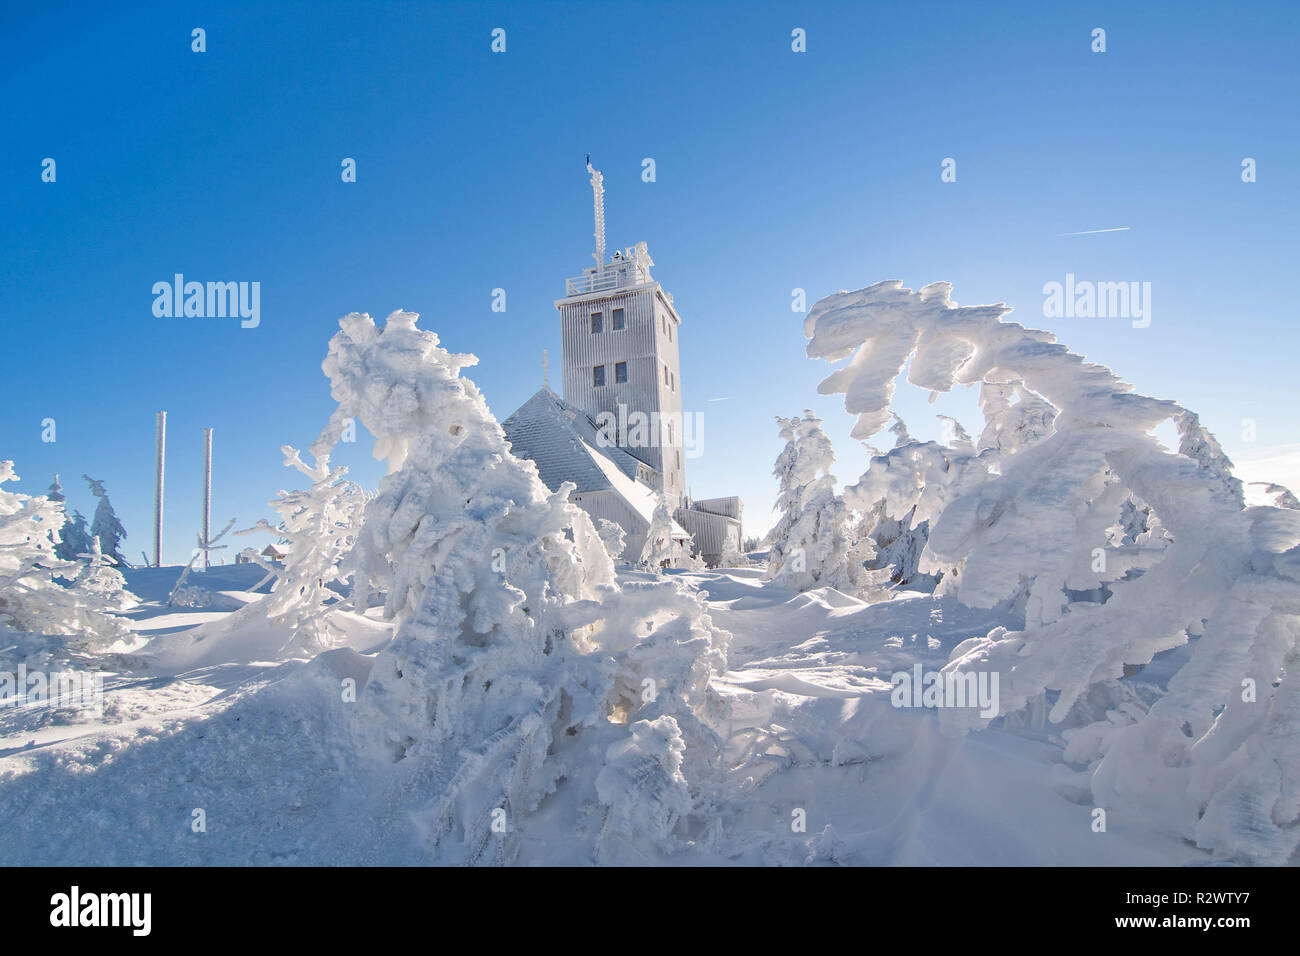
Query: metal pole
{"points": [[160, 456], [207, 493]]}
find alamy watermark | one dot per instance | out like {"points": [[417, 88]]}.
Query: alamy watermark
{"points": [[1098, 300], [922, 688], [79, 690], [637, 429], [211, 300]]}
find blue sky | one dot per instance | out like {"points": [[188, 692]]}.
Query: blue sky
{"points": [[775, 170]]}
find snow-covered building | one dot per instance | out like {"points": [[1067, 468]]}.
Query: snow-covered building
{"points": [[618, 433]]}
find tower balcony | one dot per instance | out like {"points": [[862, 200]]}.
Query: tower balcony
{"points": [[627, 269]]}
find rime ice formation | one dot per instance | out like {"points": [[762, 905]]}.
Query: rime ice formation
{"points": [[514, 645], [1212, 761]]}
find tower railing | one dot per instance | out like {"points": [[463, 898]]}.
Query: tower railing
{"points": [[615, 276]]}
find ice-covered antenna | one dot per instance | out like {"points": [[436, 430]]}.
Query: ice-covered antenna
{"points": [[598, 200]]}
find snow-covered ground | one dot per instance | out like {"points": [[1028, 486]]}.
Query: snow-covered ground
{"points": [[261, 746]]}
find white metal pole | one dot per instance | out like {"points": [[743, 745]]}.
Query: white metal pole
{"points": [[160, 456]]}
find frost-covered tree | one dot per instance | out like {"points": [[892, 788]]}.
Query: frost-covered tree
{"points": [[812, 544], [516, 656], [662, 548], [31, 600], [1215, 757], [105, 525], [320, 526], [74, 536]]}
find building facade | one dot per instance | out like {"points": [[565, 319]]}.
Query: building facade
{"points": [[620, 336]]}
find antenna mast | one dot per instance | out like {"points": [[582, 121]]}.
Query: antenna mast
{"points": [[598, 200]]}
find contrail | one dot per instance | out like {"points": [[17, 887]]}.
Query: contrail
{"points": [[1089, 232], [727, 399]]}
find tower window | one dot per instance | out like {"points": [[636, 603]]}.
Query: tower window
{"points": [[665, 374], [597, 321], [598, 376], [670, 331], [619, 322], [620, 369]]}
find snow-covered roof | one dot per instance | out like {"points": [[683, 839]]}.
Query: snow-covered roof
{"points": [[562, 441]]}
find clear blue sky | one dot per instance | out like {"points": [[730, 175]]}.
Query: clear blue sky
{"points": [[775, 170]]}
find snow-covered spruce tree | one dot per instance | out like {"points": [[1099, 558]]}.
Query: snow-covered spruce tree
{"points": [[516, 657], [31, 601], [1216, 757], [105, 525], [74, 536], [661, 548], [811, 544]]}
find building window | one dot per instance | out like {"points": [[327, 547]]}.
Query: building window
{"points": [[663, 322], [665, 374], [598, 376], [597, 321], [670, 331], [672, 382], [670, 433], [620, 371], [619, 322]]}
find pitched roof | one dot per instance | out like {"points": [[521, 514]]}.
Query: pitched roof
{"points": [[563, 442]]}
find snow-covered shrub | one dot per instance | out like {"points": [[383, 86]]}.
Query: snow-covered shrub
{"points": [[515, 650], [812, 545], [732, 556], [189, 594], [1215, 756], [30, 599], [105, 525], [613, 537], [642, 782], [98, 577]]}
